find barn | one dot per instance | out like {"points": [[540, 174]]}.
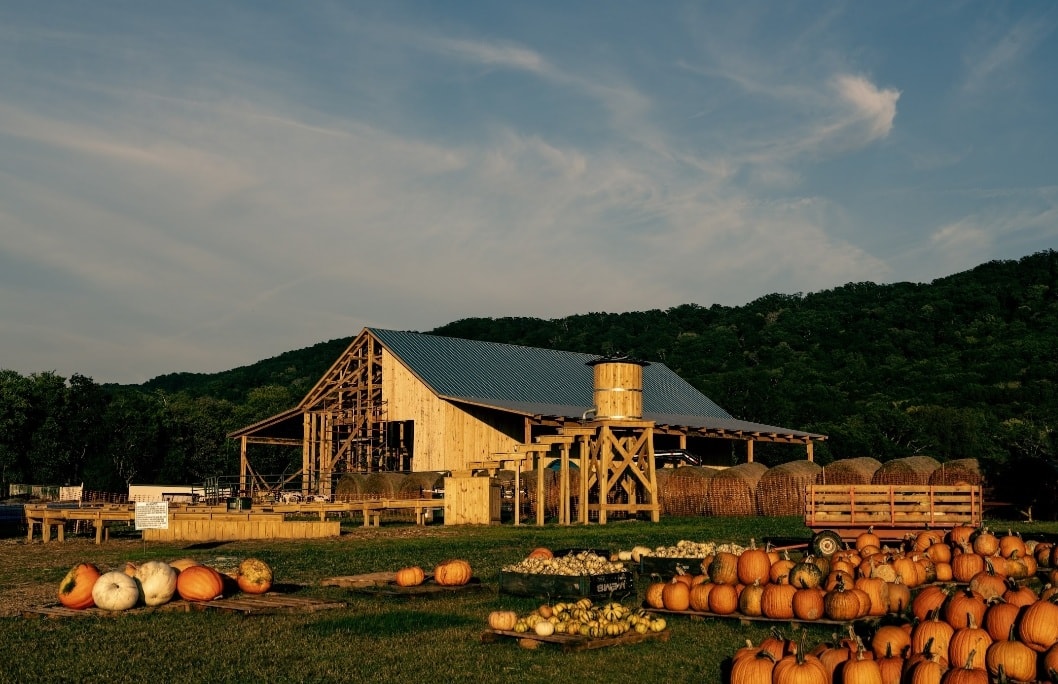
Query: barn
{"points": [[408, 401]]}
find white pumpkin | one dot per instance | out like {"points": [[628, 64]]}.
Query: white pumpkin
{"points": [[115, 591], [157, 582], [544, 628]]}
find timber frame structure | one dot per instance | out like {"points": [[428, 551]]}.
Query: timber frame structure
{"points": [[403, 401]]}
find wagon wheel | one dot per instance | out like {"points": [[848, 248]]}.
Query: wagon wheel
{"points": [[826, 543]]}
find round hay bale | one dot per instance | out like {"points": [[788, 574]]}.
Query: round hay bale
{"points": [[420, 485], [384, 485], [912, 470], [350, 487], [850, 471], [683, 491], [733, 491], [548, 498], [781, 490], [957, 472]]}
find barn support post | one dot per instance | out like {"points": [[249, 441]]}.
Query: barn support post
{"points": [[243, 464], [749, 451], [809, 447]]}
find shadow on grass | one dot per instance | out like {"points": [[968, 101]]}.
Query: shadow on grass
{"points": [[389, 624], [207, 545]]}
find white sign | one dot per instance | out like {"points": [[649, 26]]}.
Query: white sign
{"points": [[152, 515]]}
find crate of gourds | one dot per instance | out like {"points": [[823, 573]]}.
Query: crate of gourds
{"points": [[576, 574]]}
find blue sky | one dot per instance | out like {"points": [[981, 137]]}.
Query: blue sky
{"points": [[195, 186]]}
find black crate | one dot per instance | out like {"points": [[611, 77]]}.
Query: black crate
{"points": [[615, 584]]}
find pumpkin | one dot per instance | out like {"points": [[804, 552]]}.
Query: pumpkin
{"points": [[968, 645], [541, 552], [999, 618], [841, 604], [1011, 544], [878, 590], [750, 601], [452, 573], [891, 667], [753, 565], [677, 595], [806, 575], [962, 608], [116, 591], [984, 542], [780, 569], [800, 668], [989, 583], [932, 634], [866, 539], [75, 589], [890, 639], [255, 576], [544, 628], [130, 568], [698, 597], [181, 564], [967, 674], [808, 604], [965, 565], [723, 599], [1038, 626], [654, 594], [777, 601], [503, 620], [724, 568], [199, 583], [157, 582], [411, 576], [1016, 659], [861, 670], [899, 597], [753, 669]]}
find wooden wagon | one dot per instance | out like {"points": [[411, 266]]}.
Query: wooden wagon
{"points": [[838, 513]]}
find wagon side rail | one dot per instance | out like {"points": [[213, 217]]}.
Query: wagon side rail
{"points": [[891, 510]]}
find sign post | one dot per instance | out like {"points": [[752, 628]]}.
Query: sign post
{"points": [[152, 515]]}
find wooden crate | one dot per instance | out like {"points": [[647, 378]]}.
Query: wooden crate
{"points": [[568, 642], [471, 501]]}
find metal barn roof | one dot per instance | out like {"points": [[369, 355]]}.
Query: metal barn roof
{"points": [[532, 380]]}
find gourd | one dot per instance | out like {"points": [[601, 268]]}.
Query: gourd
{"points": [[544, 628], [255, 576], [503, 620], [75, 589], [410, 577], [157, 582], [199, 583], [181, 564], [452, 573], [116, 591]]}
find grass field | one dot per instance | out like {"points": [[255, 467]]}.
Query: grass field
{"points": [[375, 639]]}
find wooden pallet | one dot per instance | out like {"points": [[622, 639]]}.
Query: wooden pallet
{"points": [[746, 619], [385, 584], [569, 642], [244, 604], [261, 604]]}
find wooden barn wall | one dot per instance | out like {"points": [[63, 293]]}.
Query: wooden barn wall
{"points": [[446, 437]]}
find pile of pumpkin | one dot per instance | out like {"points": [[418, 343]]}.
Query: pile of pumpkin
{"points": [[578, 618], [1007, 643], [760, 582], [449, 573], [155, 583]]}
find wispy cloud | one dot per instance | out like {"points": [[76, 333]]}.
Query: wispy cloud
{"points": [[993, 60]]}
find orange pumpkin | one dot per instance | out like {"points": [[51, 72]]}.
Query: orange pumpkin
{"points": [[254, 576], [410, 577], [199, 583], [541, 552], [452, 573], [676, 595], [75, 590]]}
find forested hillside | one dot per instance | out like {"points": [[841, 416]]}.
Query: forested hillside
{"points": [[965, 366]]}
